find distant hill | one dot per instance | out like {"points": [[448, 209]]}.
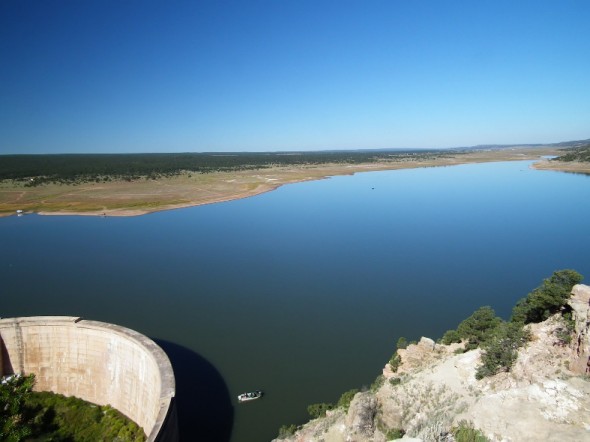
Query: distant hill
{"points": [[579, 153], [562, 144]]}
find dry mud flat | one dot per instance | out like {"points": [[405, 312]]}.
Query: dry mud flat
{"points": [[123, 198]]}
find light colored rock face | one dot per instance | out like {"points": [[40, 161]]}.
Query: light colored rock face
{"points": [[545, 396], [580, 303], [98, 362], [361, 416]]}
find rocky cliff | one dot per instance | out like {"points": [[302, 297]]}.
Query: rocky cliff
{"points": [[544, 397]]}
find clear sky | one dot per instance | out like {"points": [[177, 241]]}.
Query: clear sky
{"points": [[204, 75]]}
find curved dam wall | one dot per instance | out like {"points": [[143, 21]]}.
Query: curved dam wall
{"points": [[101, 363]]}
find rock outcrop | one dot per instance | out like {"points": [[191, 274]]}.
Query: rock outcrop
{"points": [[580, 303], [544, 397]]}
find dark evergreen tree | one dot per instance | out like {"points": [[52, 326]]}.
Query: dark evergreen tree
{"points": [[476, 329], [547, 299]]}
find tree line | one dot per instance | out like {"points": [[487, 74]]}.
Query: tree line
{"points": [[580, 153], [68, 168]]}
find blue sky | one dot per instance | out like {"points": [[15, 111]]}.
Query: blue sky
{"points": [[202, 76]]}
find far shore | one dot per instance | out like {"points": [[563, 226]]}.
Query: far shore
{"points": [[140, 197]]}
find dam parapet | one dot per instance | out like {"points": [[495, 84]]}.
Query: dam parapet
{"points": [[102, 363]]}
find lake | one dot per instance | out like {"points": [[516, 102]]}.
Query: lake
{"points": [[304, 291]]}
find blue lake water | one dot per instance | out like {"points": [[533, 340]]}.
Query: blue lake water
{"points": [[304, 291]]}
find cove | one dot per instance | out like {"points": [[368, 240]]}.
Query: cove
{"points": [[302, 292]]}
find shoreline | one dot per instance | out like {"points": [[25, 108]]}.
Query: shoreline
{"points": [[562, 166], [139, 212], [144, 196]]}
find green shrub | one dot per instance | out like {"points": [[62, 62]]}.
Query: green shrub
{"points": [[319, 410], [15, 421], [547, 299], [394, 433], [346, 399], [501, 349], [72, 419], [395, 381], [395, 362], [564, 336], [451, 337], [287, 430], [377, 383], [477, 328], [466, 433]]}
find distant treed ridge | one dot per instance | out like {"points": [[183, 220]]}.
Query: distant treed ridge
{"points": [[68, 168], [580, 153], [73, 168]]}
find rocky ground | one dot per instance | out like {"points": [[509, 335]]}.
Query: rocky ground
{"points": [[545, 397]]}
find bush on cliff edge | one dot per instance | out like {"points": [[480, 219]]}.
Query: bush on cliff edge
{"points": [[501, 340], [500, 349], [547, 299]]}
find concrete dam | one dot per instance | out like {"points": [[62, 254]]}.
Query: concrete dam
{"points": [[101, 363]]}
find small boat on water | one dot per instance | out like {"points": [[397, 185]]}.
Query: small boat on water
{"points": [[250, 396]]}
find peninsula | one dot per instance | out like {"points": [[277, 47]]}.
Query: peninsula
{"points": [[129, 185]]}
